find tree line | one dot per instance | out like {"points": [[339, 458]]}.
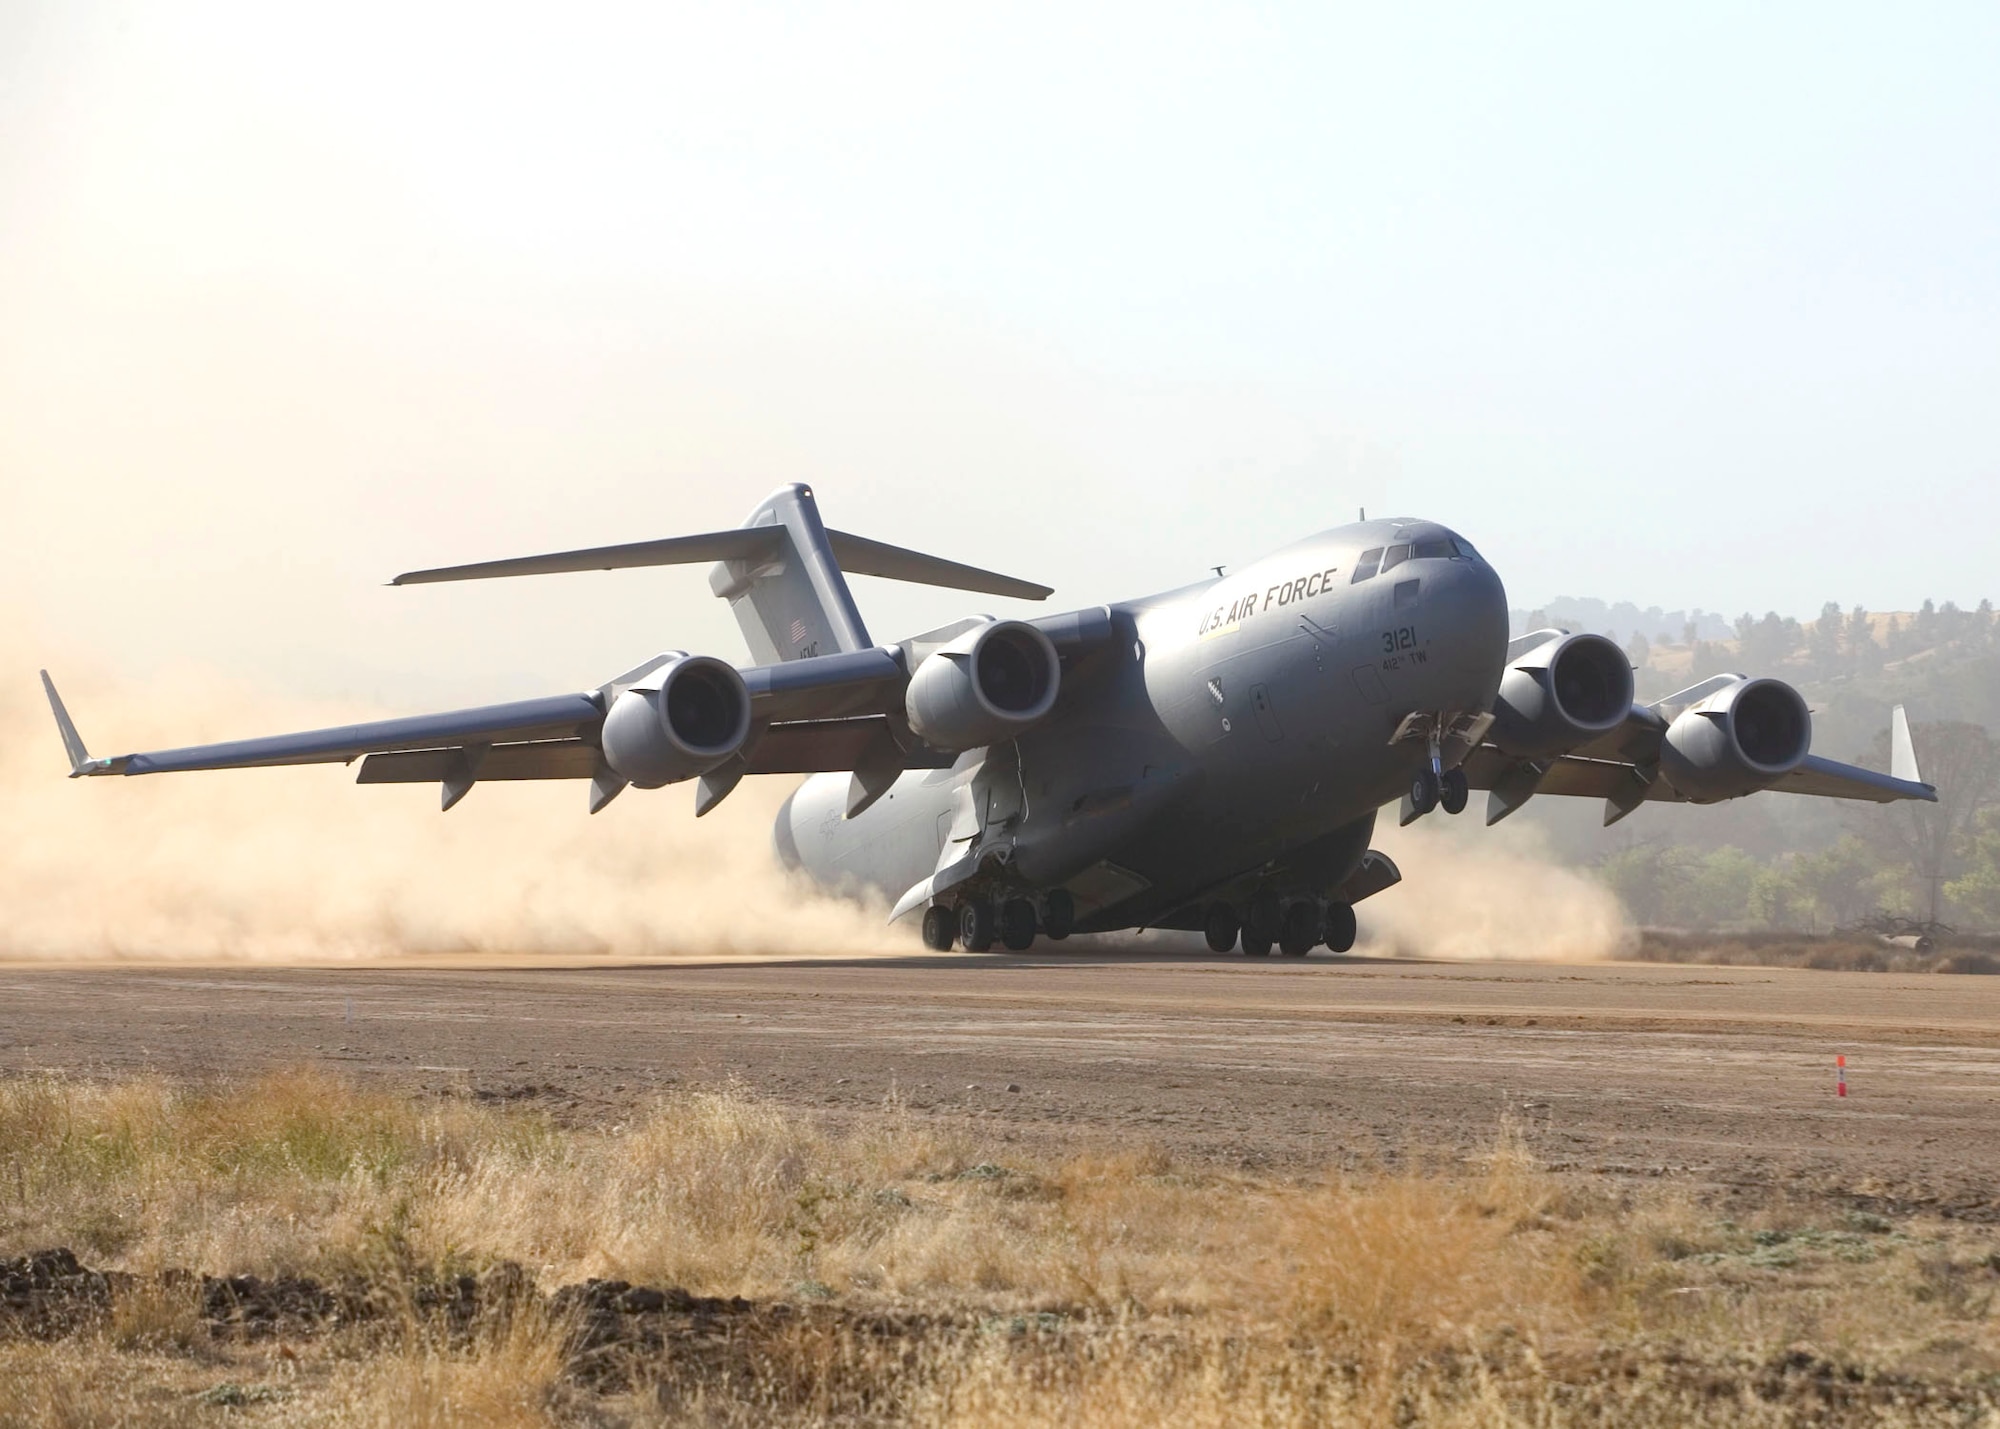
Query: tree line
{"points": [[1778, 862]]}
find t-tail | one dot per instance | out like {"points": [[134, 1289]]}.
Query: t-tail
{"points": [[782, 571]]}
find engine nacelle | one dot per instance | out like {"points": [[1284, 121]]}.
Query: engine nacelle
{"points": [[1562, 695], [679, 721], [989, 684], [1742, 738]]}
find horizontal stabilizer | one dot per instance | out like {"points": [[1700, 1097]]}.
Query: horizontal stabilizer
{"points": [[859, 556], [856, 554], [743, 544]]}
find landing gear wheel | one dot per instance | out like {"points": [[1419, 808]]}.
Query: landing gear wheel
{"points": [[975, 926], [1221, 928], [1266, 915], [939, 928], [1424, 791], [1454, 791], [1058, 915], [1017, 925], [1300, 930], [1255, 944], [1340, 927]]}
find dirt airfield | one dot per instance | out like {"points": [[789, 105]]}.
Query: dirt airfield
{"points": [[1719, 1078]]}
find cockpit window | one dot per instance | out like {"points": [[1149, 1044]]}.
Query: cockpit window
{"points": [[1366, 566], [1465, 548], [1395, 556], [1432, 550]]}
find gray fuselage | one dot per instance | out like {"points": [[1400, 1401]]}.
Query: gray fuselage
{"points": [[1234, 735]]}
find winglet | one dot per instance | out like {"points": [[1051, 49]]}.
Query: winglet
{"points": [[80, 762], [1902, 750]]}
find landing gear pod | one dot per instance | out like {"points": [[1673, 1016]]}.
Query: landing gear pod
{"points": [[682, 720], [989, 684]]}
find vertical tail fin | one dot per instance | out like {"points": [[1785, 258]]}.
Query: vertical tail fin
{"points": [[794, 603]]}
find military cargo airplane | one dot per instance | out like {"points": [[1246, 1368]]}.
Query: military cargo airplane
{"points": [[1209, 759]]}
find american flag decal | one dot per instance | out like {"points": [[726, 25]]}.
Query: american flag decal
{"points": [[798, 632]]}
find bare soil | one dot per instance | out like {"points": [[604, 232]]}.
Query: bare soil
{"points": [[1719, 1077]]}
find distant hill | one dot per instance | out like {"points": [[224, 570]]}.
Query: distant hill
{"points": [[1622, 620]]}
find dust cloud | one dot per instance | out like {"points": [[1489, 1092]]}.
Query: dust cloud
{"points": [[298, 865], [1472, 893]]}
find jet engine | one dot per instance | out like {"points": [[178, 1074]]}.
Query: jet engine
{"points": [[988, 684], [1561, 695], [1744, 737], [681, 720]]}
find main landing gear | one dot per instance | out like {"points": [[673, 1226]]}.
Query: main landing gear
{"points": [[1295, 927], [975, 924]]}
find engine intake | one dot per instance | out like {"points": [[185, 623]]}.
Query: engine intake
{"points": [[681, 720], [1562, 695], [1742, 738], [989, 684]]}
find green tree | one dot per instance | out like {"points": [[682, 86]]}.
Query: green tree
{"points": [[1975, 893], [1718, 889], [1963, 762], [1837, 885], [1824, 642]]}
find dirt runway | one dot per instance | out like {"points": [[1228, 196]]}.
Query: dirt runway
{"points": [[1723, 1077]]}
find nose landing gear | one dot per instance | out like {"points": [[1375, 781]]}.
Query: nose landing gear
{"points": [[1446, 738]]}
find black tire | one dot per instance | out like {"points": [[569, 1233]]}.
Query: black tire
{"points": [[1058, 915], [1340, 927], [975, 926], [1300, 933], [1265, 915], [940, 928], [1424, 791], [1255, 944], [1454, 791], [1221, 928], [1017, 925]]}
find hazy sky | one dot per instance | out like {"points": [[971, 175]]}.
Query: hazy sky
{"points": [[1691, 305]]}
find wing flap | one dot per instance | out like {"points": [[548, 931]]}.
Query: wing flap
{"points": [[539, 759], [829, 746]]}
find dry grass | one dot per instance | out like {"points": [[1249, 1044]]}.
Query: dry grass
{"points": [[1101, 1287]]}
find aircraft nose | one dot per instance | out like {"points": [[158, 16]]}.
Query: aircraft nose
{"points": [[1467, 606]]}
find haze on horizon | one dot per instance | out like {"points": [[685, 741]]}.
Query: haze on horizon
{"points": [[1688, 308]]}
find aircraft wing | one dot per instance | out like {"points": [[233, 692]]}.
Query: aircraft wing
{"points": [[1621, 768], [827, 713]]}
